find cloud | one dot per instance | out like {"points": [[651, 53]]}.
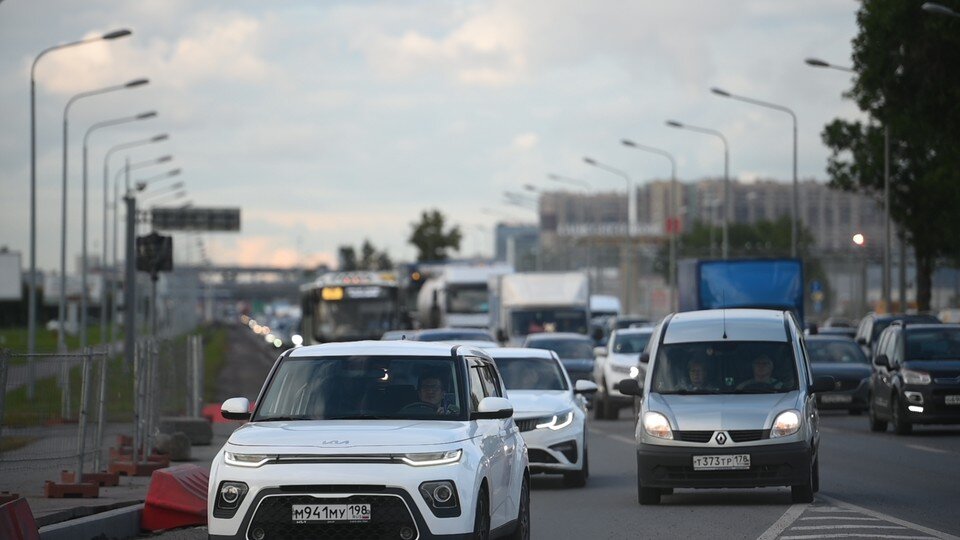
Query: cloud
{"points": [[263, 251], [525, 141]]}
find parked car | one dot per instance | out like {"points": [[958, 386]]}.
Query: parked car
{"points": [[916, 377], [726, 404], [574, 350], [373, 439], [840, 358], [872, 324], [549, 410], [619, 359]]}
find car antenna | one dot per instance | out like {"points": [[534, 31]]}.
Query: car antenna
{"points": [[723, 301]]}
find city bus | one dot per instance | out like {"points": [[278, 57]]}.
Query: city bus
{"points": [[349, 306]]}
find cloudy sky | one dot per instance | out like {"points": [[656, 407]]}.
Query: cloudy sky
{"points": [[329, 122]]}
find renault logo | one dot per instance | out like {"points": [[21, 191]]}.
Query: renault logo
{"points": [[721, 438]]}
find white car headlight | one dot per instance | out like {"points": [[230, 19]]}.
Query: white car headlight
{"points": [[426, 459], [557, 421], [657, 425], [911, 376], [246, 460], [786, 423]]}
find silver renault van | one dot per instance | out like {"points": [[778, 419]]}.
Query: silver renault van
{"points": [[727, 402]]}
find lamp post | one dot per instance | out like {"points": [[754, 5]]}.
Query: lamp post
{"points": [[61, 341], [32, 301], [143, 184], [794, 208], [671, 214], [103, 257], [626, 254], [583, 184], [725, 241]]}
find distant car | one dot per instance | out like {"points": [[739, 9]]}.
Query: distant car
{"points": [[916, 377], [839, 331], [462, 336], [618, 360], [840, 358], [396, 335], [872, 324], [628, 321], [548, 410], [574, 350], [837, 322]]}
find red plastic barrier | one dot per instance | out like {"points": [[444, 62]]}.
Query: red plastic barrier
{"points": [[16, 521], [177, 497]]}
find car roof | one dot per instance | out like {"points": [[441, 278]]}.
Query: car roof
{"points": [[520, 352], [380, 348], [726, 324], [930, 326], [831, 337], [638, 330], [557, 335]]}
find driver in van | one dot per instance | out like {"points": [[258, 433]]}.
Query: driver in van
{"points": [[431, 394], [697, 377], [762, 375]]}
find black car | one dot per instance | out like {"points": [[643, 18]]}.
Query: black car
{"points": [[916, 377], [840, 357], [872, 324], [838, 331]]}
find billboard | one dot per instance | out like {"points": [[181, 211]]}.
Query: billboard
{"points": [[10, 276]]}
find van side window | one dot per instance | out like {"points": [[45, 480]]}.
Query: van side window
{"points": [[881, 347], [491, 386], [896, 347]]}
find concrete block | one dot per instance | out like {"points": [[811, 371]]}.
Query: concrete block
{"points": [[176, 445], [120, 523], [198, 430]]}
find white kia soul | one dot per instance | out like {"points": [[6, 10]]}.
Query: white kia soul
{"points": [[373, 439]]}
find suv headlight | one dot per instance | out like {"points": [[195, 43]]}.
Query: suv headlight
{"points": [[786, 423], [557, 421], [246, 460], [915, 377], [426, 459], [657, 425]]}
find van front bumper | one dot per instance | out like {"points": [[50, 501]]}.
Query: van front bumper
{"points": [[770, 465]]}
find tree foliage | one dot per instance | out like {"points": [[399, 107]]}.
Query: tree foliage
{"points": [[906, 80], [370, 258], [430, 238]]}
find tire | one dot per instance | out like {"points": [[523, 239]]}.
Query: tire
{"points": [[481, 520], [611, 410], [598, 405], [522, 530], [876, 424], [816, 476], [901, 426], [803, 493], [578, 479], [646, 495]]}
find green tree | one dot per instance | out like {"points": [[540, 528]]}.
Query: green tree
{"points": [[906, 79], [348, 259], [370, 258], [430, 238]]}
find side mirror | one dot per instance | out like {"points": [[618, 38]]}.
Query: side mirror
{"points": [[584, 387], [597, 334], [644, 358], [630, 387], [501, 335], [599, 352], [493, 408], [862, 341], [237, 408], [823, 384], [881, 360]]}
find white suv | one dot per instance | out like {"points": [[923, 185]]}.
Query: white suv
{"points": [[618, 360], [373, 439]]}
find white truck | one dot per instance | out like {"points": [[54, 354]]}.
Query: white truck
{"points": [[533, 302], [458, 295]]}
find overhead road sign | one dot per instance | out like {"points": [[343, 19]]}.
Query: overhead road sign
{"points": [[195, 219]]}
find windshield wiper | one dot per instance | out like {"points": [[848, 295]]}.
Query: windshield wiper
{"points": [[284, 418], [359, 417], [756, 391], [685, 392]]}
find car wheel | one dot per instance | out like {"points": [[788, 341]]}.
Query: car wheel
{"points": [[578, 478], [646, 495], [598, 404], [816, 476], [803, 493], [876, 424], [901, 426], [522, 530], [481, 521]]}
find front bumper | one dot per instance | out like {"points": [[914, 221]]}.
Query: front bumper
{"points": [[556, 451], [853, 397], [782, 464], [935, 408]]}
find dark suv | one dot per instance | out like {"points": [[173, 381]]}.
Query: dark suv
{"points": [[872, 324], [916, 377]]}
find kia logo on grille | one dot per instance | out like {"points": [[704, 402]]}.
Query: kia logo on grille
{"points": [[721, 438]]}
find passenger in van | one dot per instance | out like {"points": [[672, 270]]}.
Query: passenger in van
{"points": [[762, 375], [697, 378]]}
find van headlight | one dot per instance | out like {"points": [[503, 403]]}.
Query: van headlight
{"points": [[246, 460], [657, 425], [557, 421], [426, 459], [786, 423], [912, 376]]}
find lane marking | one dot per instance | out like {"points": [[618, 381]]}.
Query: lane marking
{"points": [[928, 449], [846, 518], [852, 535], [857, 526], [886, 517], [785, 521]]}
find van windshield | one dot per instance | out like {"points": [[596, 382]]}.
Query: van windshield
{"points": [[725, 367]]}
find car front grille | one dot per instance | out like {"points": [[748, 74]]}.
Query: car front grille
{"points": [[737, 435], [274, 519], [527, 424], [693, 436]]}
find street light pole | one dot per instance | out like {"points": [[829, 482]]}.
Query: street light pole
{"points": [[32, 300], [671, 216], [727, 206], [61, 343], [795, 206], [626, 254]]}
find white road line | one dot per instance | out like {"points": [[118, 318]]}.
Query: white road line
{"points": [[620, 438], [926, 530], [846, 518], [857, 526], [785, 521], [928, 449], [831, 510], [853, 535]]}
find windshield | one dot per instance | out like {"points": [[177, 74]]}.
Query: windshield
{"points": [[364, 387], [725, 367], [566, 349], [881, 324], [455, 335], [630, 343], [548, 320], [531, 374], [933, 344], [835, 351], [468, 299], [356, 319]]}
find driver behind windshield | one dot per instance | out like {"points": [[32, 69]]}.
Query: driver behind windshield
{"points": [[697, 378], [431, 395], [762, 375]]}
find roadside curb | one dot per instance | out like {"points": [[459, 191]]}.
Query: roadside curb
{"points": [[121, 523]]}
